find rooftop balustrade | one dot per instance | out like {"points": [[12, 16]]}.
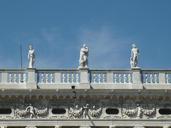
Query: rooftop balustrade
{"points": [[85, 78]]}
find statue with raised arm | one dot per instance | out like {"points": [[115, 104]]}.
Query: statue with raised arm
{"points": [[31, 56], [134, 56], [31, 110], [83, 61]]}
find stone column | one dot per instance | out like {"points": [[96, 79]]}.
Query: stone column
{"points": [[166, 126], [57, 126], [112, 126], [30, 127], [85, 126], [136, 78], [139, 126], [3, 126], [84, 78], [31, 80]]}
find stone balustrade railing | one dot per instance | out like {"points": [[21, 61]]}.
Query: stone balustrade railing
{"points": [[38, 77]]}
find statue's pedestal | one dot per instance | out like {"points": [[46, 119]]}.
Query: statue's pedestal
{"points": [[136, 77], [84, 78], [31, 81]]}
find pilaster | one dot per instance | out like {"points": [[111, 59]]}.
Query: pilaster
{"points": [[109, 77], [84, 78], [3, 126], [31, 81], [30, 127], [85, 127], [4, 77], [136, 78], [139, 126], [162, 78], [57, 126], [166, 126], [112, 126]]}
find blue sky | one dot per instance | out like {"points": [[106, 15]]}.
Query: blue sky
{"points": [[58, 28]]}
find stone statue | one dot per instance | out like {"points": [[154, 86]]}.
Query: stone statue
{"points": [[31, 110], [31, 56], [85, 112], [83, 61], [94, 112], [134, 56], [75, 112]]}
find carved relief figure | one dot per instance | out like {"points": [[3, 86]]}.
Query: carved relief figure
{"points": [[42, 112], [85, 110], [31, 56], [130, 111], [83, 61], [31, 111], [75, 112], [134, 56], [148, 110], [94, 112], [20, 113]]}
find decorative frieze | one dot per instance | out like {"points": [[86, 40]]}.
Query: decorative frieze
{"points": [[102, 109], [31, 112]]}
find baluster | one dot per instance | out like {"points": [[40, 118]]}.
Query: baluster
{"points": [[151, 78], [77, 77], [41, 77], [46, 78], [15, 78], [146, 78], [24, 78], [104, 77], [20, 78], [99, 78], [117, 78], [120, 78], [68, 77], [94, 78], [167, 78], [124, 78], [63, 78], [10, 78], [72, 78], [129, 78], [52, 78], [155, 78], [114, 78]]}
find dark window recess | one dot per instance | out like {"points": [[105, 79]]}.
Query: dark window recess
{"points": [[165, 111], [112, 111], [5, 111], [58, 111]]}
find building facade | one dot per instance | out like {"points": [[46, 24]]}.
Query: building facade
{"points": [[85, 98]]}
